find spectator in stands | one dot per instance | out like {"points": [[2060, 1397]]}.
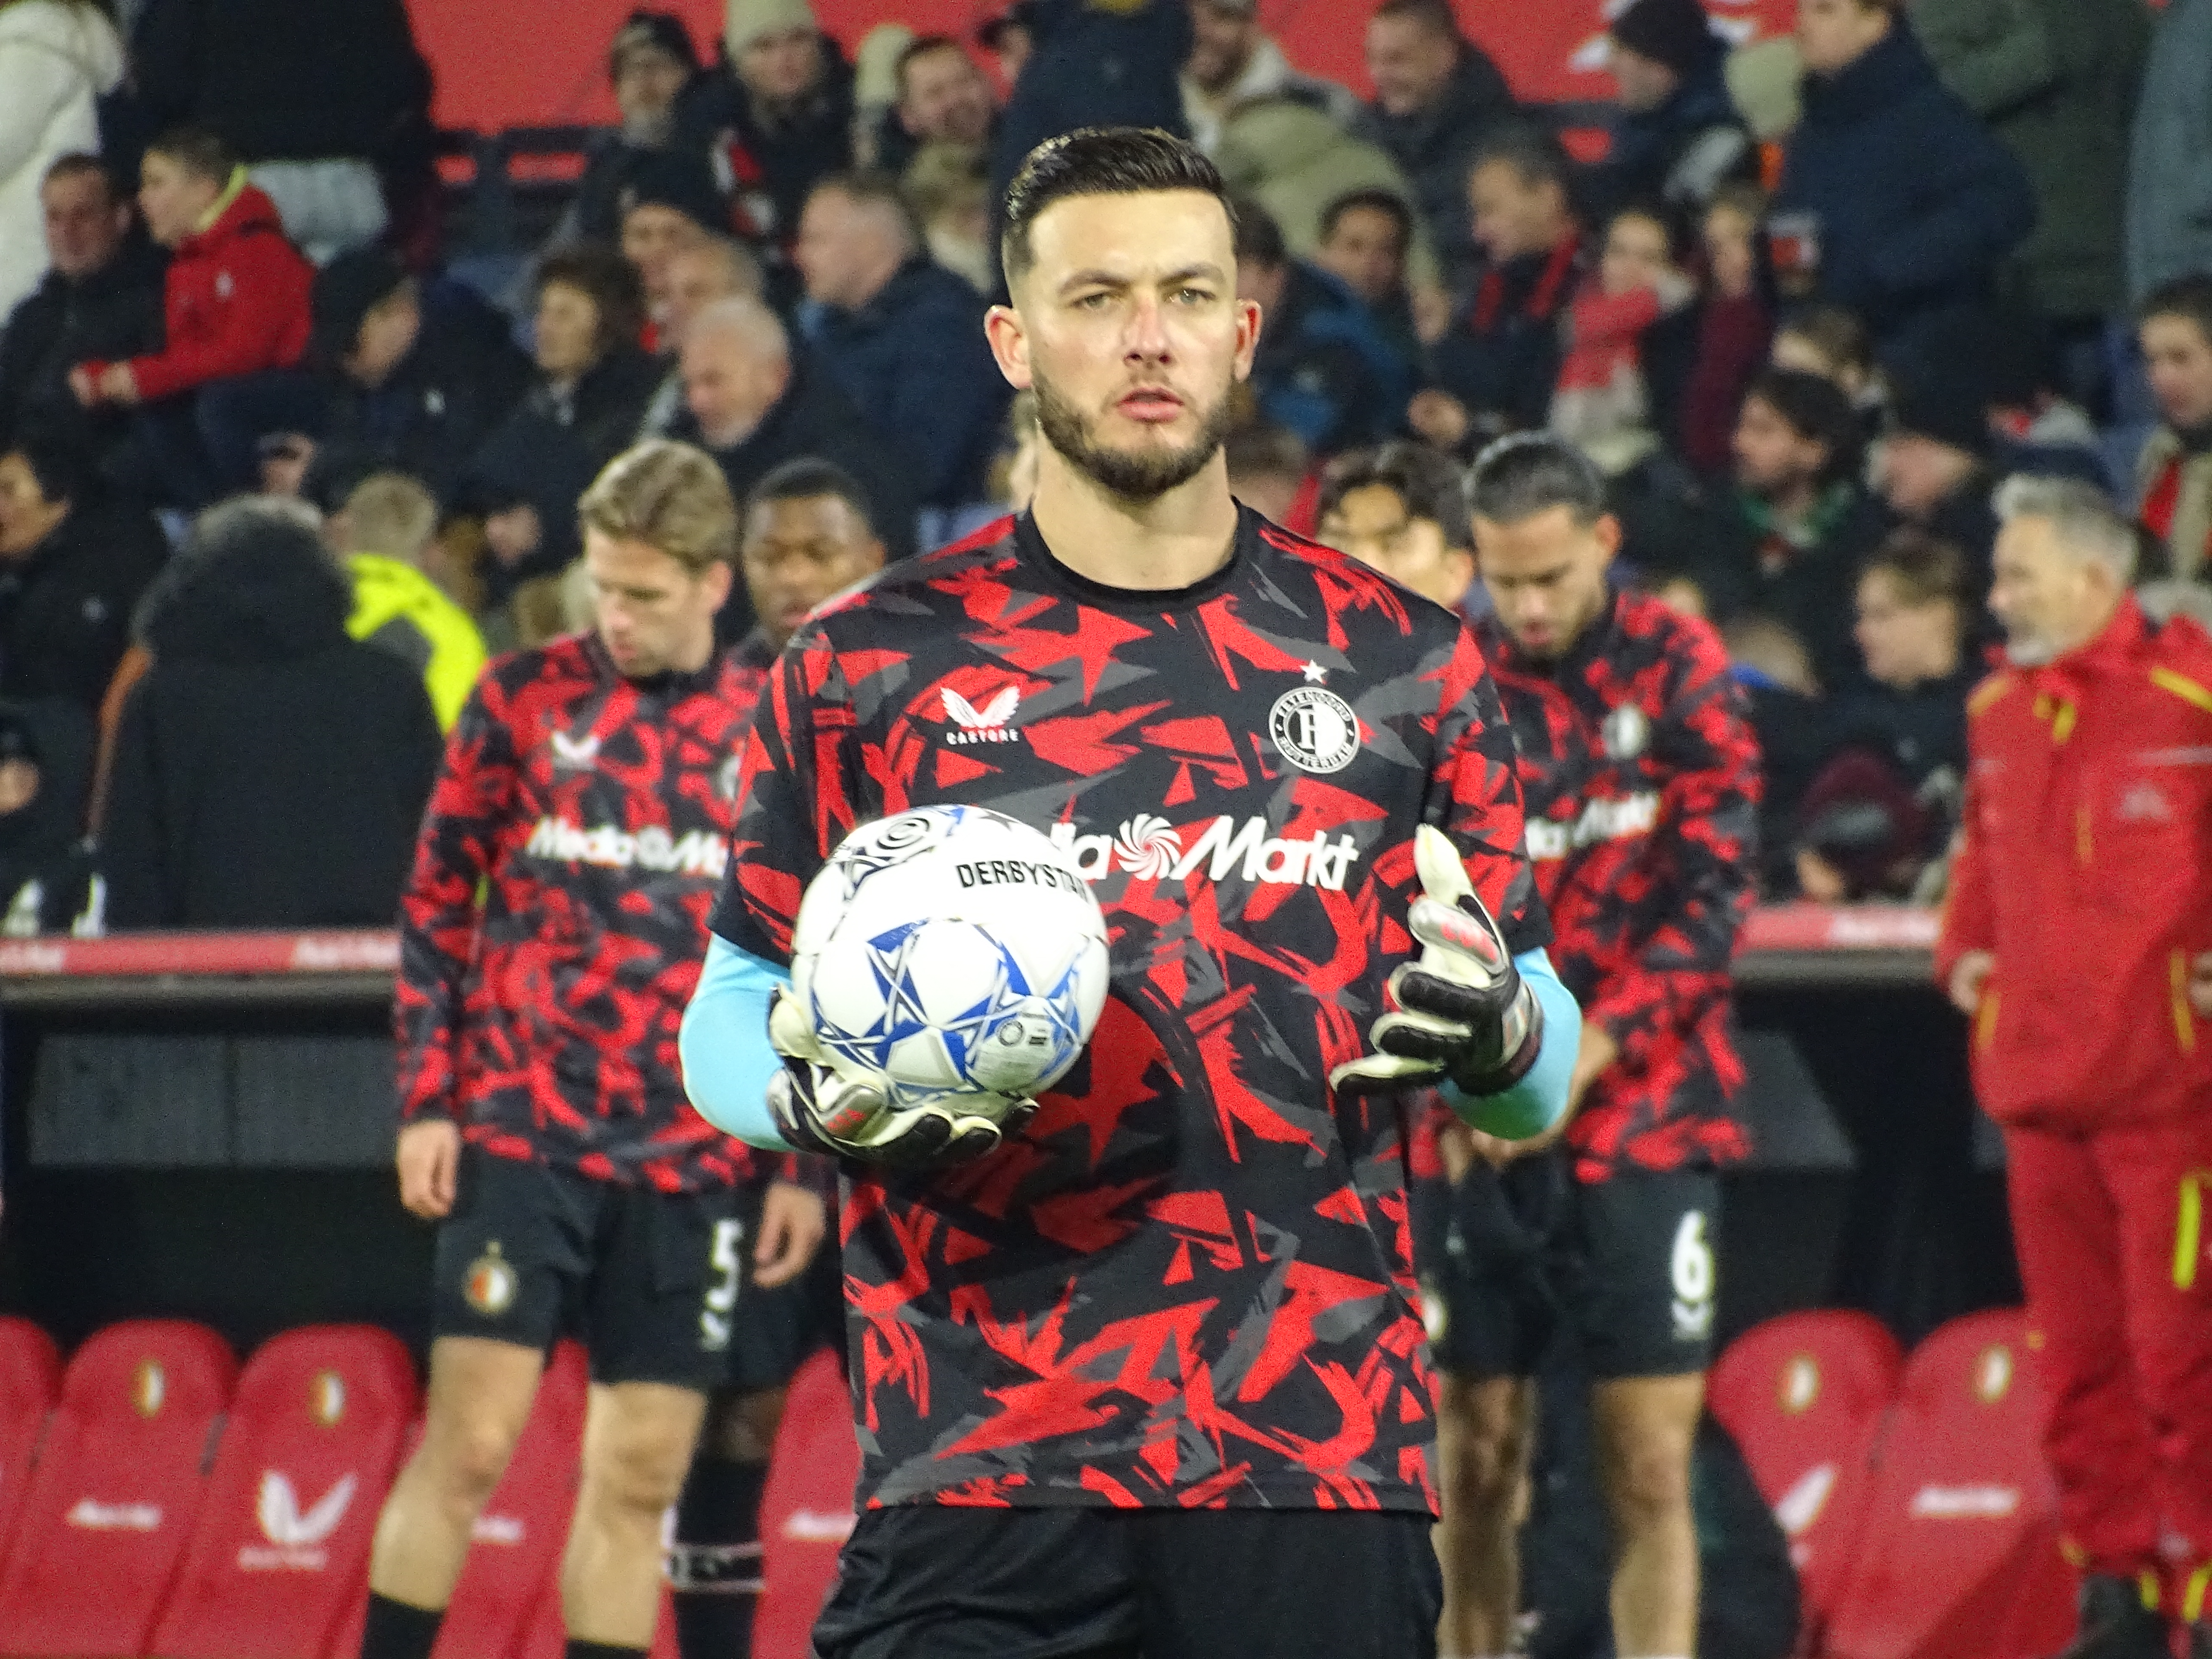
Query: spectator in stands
{"points": [[808, 534], [948, 189], [45, 785], [1015, 475], [752, 406], [315, 95], [1365, 237], [649, 63], [415, 374], [1679, 138], [1933, 465], [1010, 37], [592, 385], [1834, 343], [1495, 368], [269, 772], [1786, 542], [1234, 61], [100, 300], [1606, 401], [2170, 156], [2034, 427], [1269, 472], [383, 533], [235, 306], [57, 59], [2057, 82], [1322, 369], [71, 571], [1894, 200], [1734, 330], [775, 114], [1403, 508], [902, 335], [1902, 730], [2073, 940], [944, 98], [699, 274], [875, 89], [668, 203], [1772, 665], [2175, 475], [1437, 99]]}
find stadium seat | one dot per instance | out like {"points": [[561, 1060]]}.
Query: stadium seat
{"points": [[116, 1492], [278, 1564], [1959, 1554], [1806, 1395], [807, 1510], [30, 1383], [495, 1612]]}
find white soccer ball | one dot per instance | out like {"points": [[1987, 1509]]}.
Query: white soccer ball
{"points": [[950, 950]]}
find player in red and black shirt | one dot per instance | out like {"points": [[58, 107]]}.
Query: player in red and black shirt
{"points": [[1639, 774], [1163, 1338], [550, 937]]}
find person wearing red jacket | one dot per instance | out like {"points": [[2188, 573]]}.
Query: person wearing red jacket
{"points": [[235, 306], [2075, 941]]}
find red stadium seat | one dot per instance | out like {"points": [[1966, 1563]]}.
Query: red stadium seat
{"points": [[278, 1565], [30, 1383], [117, 1489], [494, 1614], [1805, 1396], [1959, 1554], [807, 1509]]}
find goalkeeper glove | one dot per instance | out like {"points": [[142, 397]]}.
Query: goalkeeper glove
{"points": [[819, 1109], [1463, 1015]]}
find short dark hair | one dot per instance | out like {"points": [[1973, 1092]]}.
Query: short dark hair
{"points": [[1532, 472], [1101, 161], [1259, 238], [920, 46], [1815, 408], [77, 164], [2187, 296], [1838, 334], [1374, 199], [806, 479], [61, 468], [1425, 480], [872, 187], [1924, 568], [197, 150], [1534, 152], [609, 281], [1437, 16]]}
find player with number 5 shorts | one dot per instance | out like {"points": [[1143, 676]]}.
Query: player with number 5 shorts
{"points": [[1140, 1370], [550, 939], [1639, 774]]}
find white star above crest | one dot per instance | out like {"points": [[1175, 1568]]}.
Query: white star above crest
{"points": [[1314, 673]]}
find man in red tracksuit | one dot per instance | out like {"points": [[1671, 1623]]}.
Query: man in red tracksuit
{"points": [[2076, 940]]}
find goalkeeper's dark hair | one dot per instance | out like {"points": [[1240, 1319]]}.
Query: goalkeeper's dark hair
{"points": [[805, 479], [1100, 161], [1426, 482], [1532, 472]]}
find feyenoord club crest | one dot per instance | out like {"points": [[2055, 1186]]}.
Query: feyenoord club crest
{"points": [[1626, 732], [1314, 729], [491, 1282]]}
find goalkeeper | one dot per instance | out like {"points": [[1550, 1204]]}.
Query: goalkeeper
{"points": [[1137, 1365]]}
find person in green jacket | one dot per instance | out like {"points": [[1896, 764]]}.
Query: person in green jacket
{"points": [[383, 531]]}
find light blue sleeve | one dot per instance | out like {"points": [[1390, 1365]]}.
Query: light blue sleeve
{"points": [[1539, 1099], [724, 1044]]}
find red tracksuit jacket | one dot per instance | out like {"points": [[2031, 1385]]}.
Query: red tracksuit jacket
{"points": [[235, 301], [2086, 866]]}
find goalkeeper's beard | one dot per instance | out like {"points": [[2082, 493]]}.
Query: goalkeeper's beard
{"points": [[1134, 476]]}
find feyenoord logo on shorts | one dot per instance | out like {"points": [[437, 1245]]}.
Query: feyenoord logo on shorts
{"points": [[1314, 729], [491, 1282]]}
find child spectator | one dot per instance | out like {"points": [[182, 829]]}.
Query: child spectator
{"points": [[236, 305], [1772, 665], [1834, 343], [1735, 329], [1603, 403]]}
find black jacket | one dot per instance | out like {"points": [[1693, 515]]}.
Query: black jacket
{"points": [[269, 772], [285, 80], [1812, 589], [42, 841], [1435, 149], [768, 165], [1501, 356], [109, 317], [65, 606]]}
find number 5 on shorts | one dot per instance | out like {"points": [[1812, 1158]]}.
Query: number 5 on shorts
{"points": [[722, 1296]]}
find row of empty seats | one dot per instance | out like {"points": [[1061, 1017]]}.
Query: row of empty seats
{"points": [[155, 1500]]}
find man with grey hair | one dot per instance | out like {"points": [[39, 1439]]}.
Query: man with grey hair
{"points": [[2076, 941], [753, 402]]}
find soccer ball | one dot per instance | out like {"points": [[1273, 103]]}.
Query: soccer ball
{"points": [[950, 950]]}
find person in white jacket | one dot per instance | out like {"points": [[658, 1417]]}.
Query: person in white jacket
{"points": [[57, 58]]}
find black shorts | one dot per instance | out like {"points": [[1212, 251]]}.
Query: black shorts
{"points": [[657, 1286], [1624, 1267], [927, 1581]]}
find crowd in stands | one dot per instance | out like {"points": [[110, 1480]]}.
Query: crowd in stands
{"points": [[273, 481]]}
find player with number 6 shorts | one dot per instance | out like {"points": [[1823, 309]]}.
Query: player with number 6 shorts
{"points": [[550, 936], [1639, 774]]}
